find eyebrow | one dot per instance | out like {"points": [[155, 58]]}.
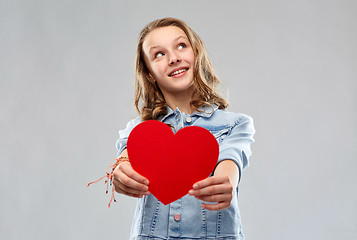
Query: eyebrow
{"points": [[151, 48]]}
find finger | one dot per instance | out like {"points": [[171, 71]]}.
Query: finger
{"points": [[210, 181], [134, 195], [126, 168], [217, 206], [212, 190], [121, 191], [120, 187], [131, 194], [131, 183], [216, 198]]}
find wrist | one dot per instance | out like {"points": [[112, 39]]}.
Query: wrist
{"points": [[119, 161]]}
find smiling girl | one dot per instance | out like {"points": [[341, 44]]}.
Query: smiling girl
{"points": [[175, 83]]}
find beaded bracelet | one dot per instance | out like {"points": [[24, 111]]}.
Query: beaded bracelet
{"points": [[109, 176]]}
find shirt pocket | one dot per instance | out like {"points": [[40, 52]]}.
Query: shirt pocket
{"points": [[219, 134]]}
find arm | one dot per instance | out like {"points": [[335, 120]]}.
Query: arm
{"points": [[127, 181], [219, 188], [234, 151]]}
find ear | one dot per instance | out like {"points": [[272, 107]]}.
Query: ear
{"points": [[151, 77]]}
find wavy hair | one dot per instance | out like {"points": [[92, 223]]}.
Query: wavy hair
{"points": [[149, 100]]}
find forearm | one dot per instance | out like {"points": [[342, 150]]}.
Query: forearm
{"points": [[124, 153], [228, 168]]}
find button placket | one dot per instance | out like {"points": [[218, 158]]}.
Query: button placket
{"points": [[174, 228]]}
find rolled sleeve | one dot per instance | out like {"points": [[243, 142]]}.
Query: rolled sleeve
{"points": [[124, 134], [236, 145]]}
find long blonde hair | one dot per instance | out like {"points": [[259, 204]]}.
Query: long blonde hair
{"points": [[149, 100]]}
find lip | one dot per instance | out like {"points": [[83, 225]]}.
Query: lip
{"points": [[176, 69]]}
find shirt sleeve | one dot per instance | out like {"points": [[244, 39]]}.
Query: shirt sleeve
{"points": [[124, 134], [236, 145]]}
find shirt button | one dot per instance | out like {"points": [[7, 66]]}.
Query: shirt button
{"points": [[177, 217], [188, 119]]}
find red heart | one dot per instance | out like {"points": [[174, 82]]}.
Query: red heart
{"points": [[171, 162]]}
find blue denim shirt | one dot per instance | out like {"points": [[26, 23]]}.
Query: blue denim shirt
{"points": [[185, 218]]}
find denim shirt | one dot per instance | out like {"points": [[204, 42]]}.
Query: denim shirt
{"points": [[185, 218]]}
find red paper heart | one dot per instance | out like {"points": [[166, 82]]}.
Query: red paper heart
{"points": [[171, 162]]}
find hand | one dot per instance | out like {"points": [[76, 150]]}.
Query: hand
{"points": [[214, 189], [128, 182]]}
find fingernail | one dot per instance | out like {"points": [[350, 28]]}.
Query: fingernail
{"points": [[190, 192], [195, 185], [146, 182]]}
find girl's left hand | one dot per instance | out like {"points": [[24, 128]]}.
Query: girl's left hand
{"points": [[214, 189]]}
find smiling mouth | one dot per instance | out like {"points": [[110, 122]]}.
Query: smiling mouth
{"points": [[178, 72]]}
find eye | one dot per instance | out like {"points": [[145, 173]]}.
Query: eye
{"points": [[159, 54], [181, 46]]}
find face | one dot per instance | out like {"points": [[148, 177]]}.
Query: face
{"points": [[170, 59]]}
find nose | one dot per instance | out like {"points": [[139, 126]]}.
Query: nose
{"points": [[174, 59]]}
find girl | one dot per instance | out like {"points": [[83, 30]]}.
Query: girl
{"points": [[175, 83]]}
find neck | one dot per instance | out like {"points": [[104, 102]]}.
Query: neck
{"points": [[181, 100]]}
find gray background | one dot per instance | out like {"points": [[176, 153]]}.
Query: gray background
{"points": [[66, 71]]}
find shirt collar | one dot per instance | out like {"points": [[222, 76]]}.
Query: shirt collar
{"points": [[205, 111]]}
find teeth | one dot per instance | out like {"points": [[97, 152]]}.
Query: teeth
{"points": [[178, 71]]}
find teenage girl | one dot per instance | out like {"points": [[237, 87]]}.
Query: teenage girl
{"points": [[175, 83]]}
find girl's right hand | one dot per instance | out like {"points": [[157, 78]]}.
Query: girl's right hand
{"points": [[128, 182]]}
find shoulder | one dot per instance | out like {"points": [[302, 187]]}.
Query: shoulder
{"points": [[130, 126], [134, 122]]}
